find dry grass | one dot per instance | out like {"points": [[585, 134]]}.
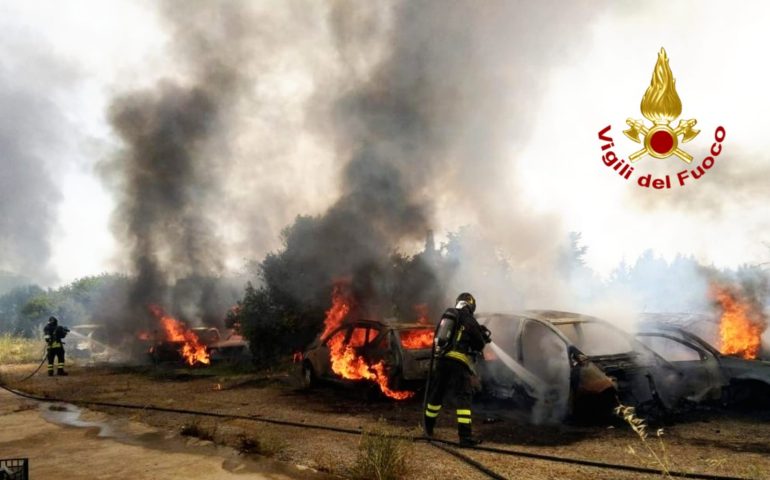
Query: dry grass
{"points": [[266, 445], [657, 454], [381, 456], [19, 349]]}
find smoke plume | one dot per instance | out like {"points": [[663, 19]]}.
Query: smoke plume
{"points": [[32, 151]]}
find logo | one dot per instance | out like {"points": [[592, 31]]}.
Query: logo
{"points": [[661, 106]]}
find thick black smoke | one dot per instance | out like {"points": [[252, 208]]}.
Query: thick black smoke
{"points": [[430, 125], [169, 175]]}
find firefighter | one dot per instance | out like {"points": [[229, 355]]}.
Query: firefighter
{"points": [[53, 333], [458, 340]]}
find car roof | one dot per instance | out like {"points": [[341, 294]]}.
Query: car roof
{"points": [[554, 317], [387, 323]]}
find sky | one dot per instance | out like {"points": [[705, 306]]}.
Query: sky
{"points": [[77, 55]]}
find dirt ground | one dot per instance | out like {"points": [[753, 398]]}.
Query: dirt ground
{"points": [[716, 441]]}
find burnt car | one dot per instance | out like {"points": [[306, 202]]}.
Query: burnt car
{"points": [[229, 346], [709, 376], [566, 364], [404, 349]]}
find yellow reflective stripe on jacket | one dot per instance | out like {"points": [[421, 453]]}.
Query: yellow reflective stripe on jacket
{"points": [[467, 413], [435, 408], [430, 414], [460, 356], [55, 345], [463, 420]]}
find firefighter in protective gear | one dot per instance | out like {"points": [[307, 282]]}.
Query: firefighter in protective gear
{"points": [[53, 333], [459, 339]]}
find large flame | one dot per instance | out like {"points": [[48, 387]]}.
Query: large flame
{"points": [[417, 339], [192, 350], [661, 103], [346, 362], [741, 324]]}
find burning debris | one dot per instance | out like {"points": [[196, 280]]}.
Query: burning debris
{"points": [[184, 340], [741, 324]]}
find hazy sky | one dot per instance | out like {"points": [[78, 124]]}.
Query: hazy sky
{"points": [[79, 54]]}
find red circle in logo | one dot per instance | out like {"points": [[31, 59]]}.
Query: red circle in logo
{"points": [[662, 142]]}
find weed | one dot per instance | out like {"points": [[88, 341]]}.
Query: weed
{"points": [[267, 446], [194, 429], [381, 455], [659, 454]]}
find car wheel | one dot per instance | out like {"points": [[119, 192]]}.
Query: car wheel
{"points": [[309, 379]]}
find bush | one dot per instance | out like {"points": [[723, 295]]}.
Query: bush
{"points": [[381, 456]]}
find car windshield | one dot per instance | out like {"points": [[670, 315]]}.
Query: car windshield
{"points": [[415, 339], [594, 338]]}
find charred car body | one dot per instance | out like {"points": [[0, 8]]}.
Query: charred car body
{"points": [[404, 348], [574, 364]]}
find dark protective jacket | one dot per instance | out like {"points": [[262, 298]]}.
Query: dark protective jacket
{"points": [[53, 335], [469, 337]]}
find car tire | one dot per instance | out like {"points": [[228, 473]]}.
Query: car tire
{"points": [[309, 379]]}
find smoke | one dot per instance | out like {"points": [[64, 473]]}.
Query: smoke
{"points": [[424, 115], [33, 149], [169, 178]]}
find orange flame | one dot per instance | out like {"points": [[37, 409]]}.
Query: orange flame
{"points": [[741, 324], [417, 339], [192, 350], [346, 362], [421, 310]]}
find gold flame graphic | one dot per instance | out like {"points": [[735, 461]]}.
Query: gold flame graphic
{"points": [[661, 103]]}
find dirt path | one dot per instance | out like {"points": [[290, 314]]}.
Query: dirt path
{"points": [[97, 448], [725, 443]]}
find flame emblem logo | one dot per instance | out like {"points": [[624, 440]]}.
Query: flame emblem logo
{"points": [[661, 105]]}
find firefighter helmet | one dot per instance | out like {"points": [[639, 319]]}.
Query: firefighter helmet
{"points": [[466, 299], [52, 321]]}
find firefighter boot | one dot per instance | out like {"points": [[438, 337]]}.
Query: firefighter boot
{"points": [[50, 373], [466, 438], [428, 424], [61, 371]]}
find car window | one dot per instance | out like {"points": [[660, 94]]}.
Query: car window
{"points": [[416, 338], [505, 331], [543, 352], [358, 337], [594, 338], [669, 349]]}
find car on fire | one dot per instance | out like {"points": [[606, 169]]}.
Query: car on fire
{"points": [[404, 349], [562, 364], [711, 376]]}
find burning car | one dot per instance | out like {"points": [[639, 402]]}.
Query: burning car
{"points": [[229, 346], [709, 375], [561, 364], [394, 355], [574, 364]]}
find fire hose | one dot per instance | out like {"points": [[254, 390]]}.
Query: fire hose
{"points": [[440, 444], [38, 367]]}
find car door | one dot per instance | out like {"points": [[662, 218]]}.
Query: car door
{"points": [[701, 376], [545, 354]]}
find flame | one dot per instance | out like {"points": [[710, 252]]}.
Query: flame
{"points": [[417, 339], [345, 361], [421, 310], [661, 103], [741, 324], [192, 350]]}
